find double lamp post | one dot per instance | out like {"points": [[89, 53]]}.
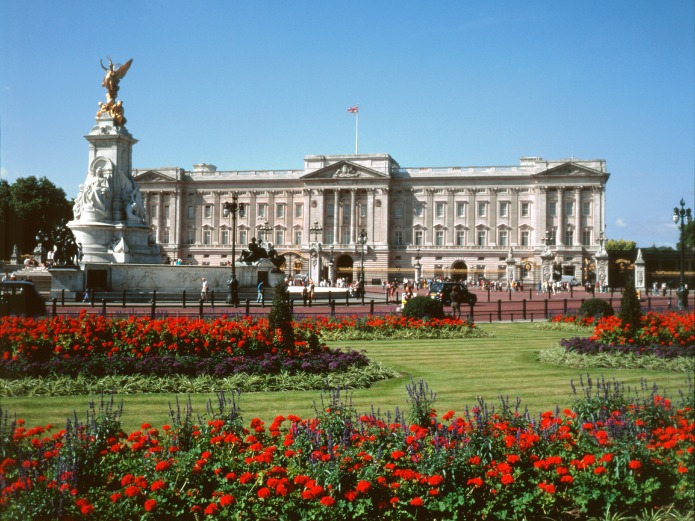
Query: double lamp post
{"points": [[682, 218], [227, 209]]}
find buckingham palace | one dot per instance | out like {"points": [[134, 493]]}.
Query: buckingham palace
{"points": [[365, 213]]}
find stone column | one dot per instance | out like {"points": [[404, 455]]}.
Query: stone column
{"points": [[471, 216], [514, 218], [336, 216], [306, 239], [492, 217], [450, 217], [429, 216], [640, 272], [353, 215], [559, 239]]}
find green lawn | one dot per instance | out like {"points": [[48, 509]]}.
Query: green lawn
{"points": [[457, 370]]}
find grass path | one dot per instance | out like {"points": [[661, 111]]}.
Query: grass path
{"points": [[457, 370]]}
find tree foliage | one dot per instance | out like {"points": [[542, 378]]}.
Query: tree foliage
{"points": [[620, 245], [630, 311], [280, 316], [27, 207]]}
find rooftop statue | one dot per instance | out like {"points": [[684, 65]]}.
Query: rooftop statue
{"points": [[112, 78]]}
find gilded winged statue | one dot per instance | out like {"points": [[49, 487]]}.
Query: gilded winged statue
{"points": [[114, 74]]}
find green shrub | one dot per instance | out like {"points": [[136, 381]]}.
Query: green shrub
{"points": [[630, 311], [596, 308], [280, 316], [423, 307]]}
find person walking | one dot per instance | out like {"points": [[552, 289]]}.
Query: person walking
{"points": [[259, 298]]}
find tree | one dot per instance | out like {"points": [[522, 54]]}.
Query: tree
{"points": [[620, 246], [280, 316], [688, 236], [27, 207], [630, 311]]}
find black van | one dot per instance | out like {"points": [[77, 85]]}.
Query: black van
{"points": [[19, 297]]}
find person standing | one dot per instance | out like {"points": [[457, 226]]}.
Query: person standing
{"points": [[204, 290], [456, 302]]}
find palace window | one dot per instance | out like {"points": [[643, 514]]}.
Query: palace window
{"points": [[397, 211], [279, 236], [154, 211], [439, 210], [482, 209], [166, 211], [586, 208], [552, 208], [569, 237], [208, 211], [418, 210], [460, 210], [503, 238], [262, 210], [569, 208], [298, 237], [504, 209], [191, 213], [439, 238], [330, 210], [328, 236], [224, 237], [190, 236], [525, 236], [280, 211], [525, 209], [346, 236], [460, 238], [417, 238], [481, 237], [347, 210], [586, 237], [166, 236], [206, 237], [298, 210], [398, 237]]}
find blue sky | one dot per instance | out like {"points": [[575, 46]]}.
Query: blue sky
{"points": [[259, 85]]}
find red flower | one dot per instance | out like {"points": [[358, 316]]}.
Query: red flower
{"points": [[227, 500], [150, 505], [211, 509], [476, 482], [363, 487], [263, 492], [634, 464], [327, 501], [416, 502]]}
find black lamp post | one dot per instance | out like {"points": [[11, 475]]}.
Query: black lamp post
{"points": [[682, 218], [266, 229], [316, 229], [363, 241], [232, 208]]}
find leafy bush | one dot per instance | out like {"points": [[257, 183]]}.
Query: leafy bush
{"points": [[595, 308], [280, 316], [423, 307], [630, 311]]}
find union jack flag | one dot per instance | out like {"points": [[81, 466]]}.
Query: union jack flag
{"points": [[354, 109]]}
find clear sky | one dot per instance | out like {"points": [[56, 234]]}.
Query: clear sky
{"points": [[260, 84]]}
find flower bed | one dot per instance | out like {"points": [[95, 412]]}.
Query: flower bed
{"points": [[607, 452], [390, 326], [663, 335]]}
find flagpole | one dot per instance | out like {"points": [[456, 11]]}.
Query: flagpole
{"points": [[357, 132]]}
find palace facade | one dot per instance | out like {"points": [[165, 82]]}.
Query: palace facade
{"points": [[458, 222]]}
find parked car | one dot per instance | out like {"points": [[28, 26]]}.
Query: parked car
{"points": [[442, 291], [19, 297]]}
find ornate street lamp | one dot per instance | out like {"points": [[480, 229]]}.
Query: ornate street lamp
{"points": [[266, 229], [682, 218], [362, 240], [316, 229], [227, 209]]}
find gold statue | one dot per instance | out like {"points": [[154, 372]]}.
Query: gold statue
{"points": [[114, 74]]}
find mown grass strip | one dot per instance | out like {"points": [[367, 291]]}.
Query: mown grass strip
{"points": [[458, 370]]}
